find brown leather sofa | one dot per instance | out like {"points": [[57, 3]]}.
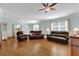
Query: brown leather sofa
{"points": [[59, 36], [36, 35], [21, 36]]}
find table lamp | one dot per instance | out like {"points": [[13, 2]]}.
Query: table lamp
{"points": [[76, 31]]}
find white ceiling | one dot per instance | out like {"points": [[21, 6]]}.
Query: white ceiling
{"points": [[29, 11]]}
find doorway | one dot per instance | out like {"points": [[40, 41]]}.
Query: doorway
{"points": [[16, 28]]}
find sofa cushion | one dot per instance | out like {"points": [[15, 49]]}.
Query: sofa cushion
{"points": [[23, 37], [65, 36], [33, 33], [19, 33], [37, 33], [55, 37], [60, 32], [62, 38]]}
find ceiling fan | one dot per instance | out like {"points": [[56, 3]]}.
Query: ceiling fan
{"points": [[47, 7]]}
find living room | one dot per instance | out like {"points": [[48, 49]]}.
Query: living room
{"points": [[27, 18]]}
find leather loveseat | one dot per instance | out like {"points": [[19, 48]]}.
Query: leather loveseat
{"points": [[36, 35], [59, 36]]}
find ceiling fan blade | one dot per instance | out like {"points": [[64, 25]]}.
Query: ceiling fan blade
{"points": [[52, 9], [41, 9], [53, 4], [44, 4], [47, 4]]}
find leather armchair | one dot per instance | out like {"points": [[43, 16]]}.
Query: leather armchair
{"points": [[36, 35], [21, 36], [58, 36]]}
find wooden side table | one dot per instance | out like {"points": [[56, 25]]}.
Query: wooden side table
{"points": [[74, 45]]}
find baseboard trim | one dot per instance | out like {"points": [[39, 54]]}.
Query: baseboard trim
{"points": [[11, 37]]}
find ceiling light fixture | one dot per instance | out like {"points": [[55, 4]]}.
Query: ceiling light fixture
{"points": [[47, 7]]}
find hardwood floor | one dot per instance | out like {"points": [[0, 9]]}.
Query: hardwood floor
{"points": [[40, 47]]}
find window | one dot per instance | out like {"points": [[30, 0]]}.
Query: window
{"points": [[36, 27], [54, 26], [59, 26]]}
